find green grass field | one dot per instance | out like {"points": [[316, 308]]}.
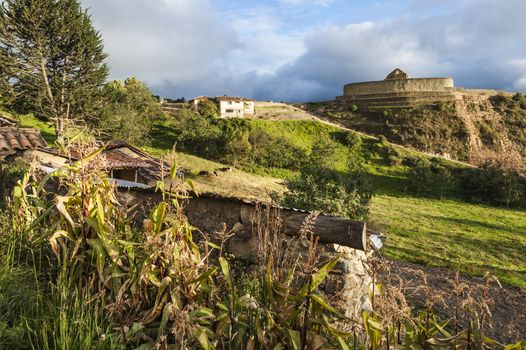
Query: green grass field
{"points": [[447, 233], [47, 131]]}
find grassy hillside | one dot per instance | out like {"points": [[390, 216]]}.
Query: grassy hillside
{"points": [[433, 231], [446, 233], [477, 127], [47, 131]]}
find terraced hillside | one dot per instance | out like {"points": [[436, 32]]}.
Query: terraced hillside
{"points": [[477, 127]]}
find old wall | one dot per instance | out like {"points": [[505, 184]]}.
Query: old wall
{"points": [[399, 85]]}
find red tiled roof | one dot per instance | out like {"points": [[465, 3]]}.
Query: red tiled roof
{"points": [[233, 98], [14, 139]]}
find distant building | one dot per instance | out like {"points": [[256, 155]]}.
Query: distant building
{"points": [[229, 106]]}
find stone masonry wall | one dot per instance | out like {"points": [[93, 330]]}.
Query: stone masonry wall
{"points": [[399, 85]]}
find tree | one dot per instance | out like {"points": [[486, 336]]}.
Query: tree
{"points": [[324, 190], [129, 111], [57, 59], [207, 109]]}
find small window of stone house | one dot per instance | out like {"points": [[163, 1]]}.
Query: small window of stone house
{"points": [[229, 110]]}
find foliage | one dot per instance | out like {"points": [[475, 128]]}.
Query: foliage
{"points": [[492, 184], [56, 59], [129, 111], [157, 286], [319, 188], [207, 109], [432, 177]]}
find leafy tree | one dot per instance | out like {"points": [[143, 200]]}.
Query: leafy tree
{"points": [[493, 185], [318, 187], [129, 111], [207, 109], [238, 148], [329, 192], [273, 151], [324, 152], [196, 134], [56, 59]]}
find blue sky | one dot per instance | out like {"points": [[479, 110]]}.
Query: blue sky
{"points": [[305, 50]]}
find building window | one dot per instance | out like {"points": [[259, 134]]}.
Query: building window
{"points": [[229, 111]]}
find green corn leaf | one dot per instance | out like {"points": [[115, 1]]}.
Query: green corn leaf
{"points": [[323, 303], [192, 187], [173, 170], [203, 339], [517, 346], [88, 158], [295, 338], [204, 275], [342, 344], [318, 277], [225, 269]]}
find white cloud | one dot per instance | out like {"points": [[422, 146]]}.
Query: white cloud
{"points": [[188, 47], [162, 39]]}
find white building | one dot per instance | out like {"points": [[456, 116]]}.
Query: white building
{"points": [[228, 106]]}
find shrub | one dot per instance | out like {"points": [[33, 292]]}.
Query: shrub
{"points": [[326, 191], [493, 185], [394, 156], [207, 109], [274, 152]]}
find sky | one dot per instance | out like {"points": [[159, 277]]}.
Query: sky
{"points": [[306, 50]]}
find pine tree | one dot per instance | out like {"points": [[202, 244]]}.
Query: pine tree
{"points": [[55, 58]]}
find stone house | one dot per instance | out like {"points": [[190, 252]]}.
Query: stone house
{"points": [[229, 106]]}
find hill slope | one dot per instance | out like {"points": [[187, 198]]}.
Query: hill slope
{"points": [[479, 126], [434, 228], [433, 231]]}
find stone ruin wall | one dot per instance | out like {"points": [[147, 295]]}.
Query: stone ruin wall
{"points": [[347, 285], [399, 86], [395, 93]]}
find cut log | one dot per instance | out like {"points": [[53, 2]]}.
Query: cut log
{"points": [[329, 229]]}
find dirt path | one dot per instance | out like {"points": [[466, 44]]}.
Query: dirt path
{"points": [[507, 304]]}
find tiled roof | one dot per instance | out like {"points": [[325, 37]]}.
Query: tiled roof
{"points": [[148, 166], [14, 139], [233, 98]]}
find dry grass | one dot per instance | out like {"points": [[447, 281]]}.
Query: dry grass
{"points": [[235, 183]]}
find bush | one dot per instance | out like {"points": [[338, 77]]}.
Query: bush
{"points": [[432, 178], [274, 152], [320, 189], [492, 185], [394, 156], [207, 109]]}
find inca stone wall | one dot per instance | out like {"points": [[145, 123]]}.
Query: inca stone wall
{"points": [[348, 284], [399, 86], [398, 91]]}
